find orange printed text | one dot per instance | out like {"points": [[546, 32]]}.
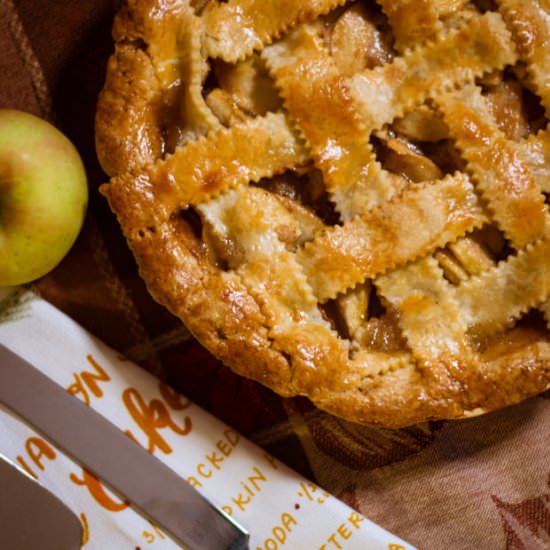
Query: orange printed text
{"points": [[343, 532], [37, 449], [151, 418], [214, 460], [86, 383], [279, 533], [98, 492], [251, 486]]}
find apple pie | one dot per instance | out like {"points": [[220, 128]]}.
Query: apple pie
{"points": [[342, 200]]}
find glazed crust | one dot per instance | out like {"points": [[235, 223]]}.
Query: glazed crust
{"points": [[239, 310]]}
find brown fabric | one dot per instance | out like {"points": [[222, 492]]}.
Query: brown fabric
{"points": [[483, 483]]}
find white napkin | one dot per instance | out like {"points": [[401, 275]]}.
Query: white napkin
{"points": [[280, 508]]}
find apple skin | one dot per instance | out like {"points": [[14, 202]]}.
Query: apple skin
{"points": [[43, 197]]}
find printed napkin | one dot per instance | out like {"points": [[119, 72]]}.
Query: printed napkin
{"points": [[280, 508]]}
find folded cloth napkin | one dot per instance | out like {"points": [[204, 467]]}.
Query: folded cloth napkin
{"points": [[280, 508]]}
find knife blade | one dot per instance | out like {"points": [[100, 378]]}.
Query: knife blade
{"points": [[24, 501], [152, 487]]}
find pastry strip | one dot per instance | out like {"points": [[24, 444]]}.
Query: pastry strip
{"points": [[415, 223], [504, 180], [236, 28], [415, 21], [495, 298], [318, 100], [204, 168], [374, 364], [174, 47], [430, 319], [530, 25], [411, 21], [199, 119], [389, 91], [535, 152]]}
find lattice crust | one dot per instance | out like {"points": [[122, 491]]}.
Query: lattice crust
{"points": [[235, 29], [352, 206], [503, 179], [419, 221]]}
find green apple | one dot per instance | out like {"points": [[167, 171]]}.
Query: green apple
{"points": [[43, 197]]}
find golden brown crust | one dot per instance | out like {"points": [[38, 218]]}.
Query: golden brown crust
{"points": [[127, 113], [228, 320], [412, 225], [505, 182], [250, 280], [234, 30]]}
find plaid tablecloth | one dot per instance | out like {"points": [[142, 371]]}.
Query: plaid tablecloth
{"points": [[479, 484]]}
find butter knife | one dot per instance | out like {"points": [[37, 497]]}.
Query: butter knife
{"points": [[31, 517], [152, 487]]}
